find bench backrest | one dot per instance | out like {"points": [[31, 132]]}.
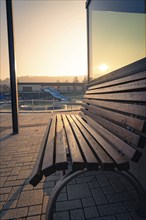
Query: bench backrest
{"points": [[117, 109]]}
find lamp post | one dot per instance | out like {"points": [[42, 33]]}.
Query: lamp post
{"points": [[13, 83]]}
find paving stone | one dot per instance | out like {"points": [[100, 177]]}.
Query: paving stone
{"points": [[93, 173], [78, 191], [110, 217], [126, 183], [15, 192], [23, 174], [94, 184], [2, 181], [48, 184], [47, 191], [1, 205], [136, 216], [67, 205], [35, 210], [45, 202], [91, 212], [99, 196], [10, 204], [125, 216], [117, 197], [14, 213], [62, 197], [87, 202], [11, 178], [5, 190], [4, 174], [77, 214], [131, 205], [43, 217], [108, 189], [28, 198], [14, 183], [15, 171], [27, 187], [103, 181], [36, 217], [74, 181], [110, 209], [61, 216], [85, 179], [117, 185], [4, 197]]}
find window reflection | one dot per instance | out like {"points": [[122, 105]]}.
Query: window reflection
{"points": [[116, 35]]}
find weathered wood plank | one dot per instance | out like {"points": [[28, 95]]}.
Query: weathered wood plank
{"points": [[124, 120], [61, 153], [116, 142], [116, 129], [121, 161], [48, 166], [139, 110], [105, 160], [131, 78], [87, 154], [37, 174], [76, 157], [133, 96], [136, 85]]}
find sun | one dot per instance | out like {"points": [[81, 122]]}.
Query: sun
{"points": [[103, 67]]}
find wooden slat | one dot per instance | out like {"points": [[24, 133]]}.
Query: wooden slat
{"points": [[121, 132], [89, 157], [37, 174], [124, 120], [76, 157], [133, 96], [105, 160], [120, 88], [119, 144], [121, 161], [61, 153], [134, 77], [139, 110], [48, 166]]}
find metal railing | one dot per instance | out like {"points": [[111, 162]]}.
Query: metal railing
{"points": [[35, 105]]}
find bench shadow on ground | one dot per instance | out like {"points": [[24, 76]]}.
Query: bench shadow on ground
{"points": [[94, 194]]}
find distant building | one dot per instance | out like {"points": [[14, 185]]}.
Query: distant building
{"points": [[36, 90]]}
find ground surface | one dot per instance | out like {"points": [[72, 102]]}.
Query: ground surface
{"points": [[95, 195]]}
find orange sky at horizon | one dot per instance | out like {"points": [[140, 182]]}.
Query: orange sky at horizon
{"points": [[50, 38]]}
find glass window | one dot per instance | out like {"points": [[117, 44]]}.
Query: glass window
{"points": [[27, 89], [117, 34]]}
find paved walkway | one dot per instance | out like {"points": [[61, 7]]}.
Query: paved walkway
{"points": [[95, 195]]}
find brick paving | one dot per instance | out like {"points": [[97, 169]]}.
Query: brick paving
{"points": [[92, 196]]}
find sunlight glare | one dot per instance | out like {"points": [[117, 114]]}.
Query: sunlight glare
{"points": [[103, 67]]}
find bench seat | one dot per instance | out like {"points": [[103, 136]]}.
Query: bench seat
{"points": [[107, 134]]}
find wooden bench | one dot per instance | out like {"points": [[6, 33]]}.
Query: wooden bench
{"points": [[107, 134]]}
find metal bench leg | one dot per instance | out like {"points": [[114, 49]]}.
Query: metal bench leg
{"points": [[139, 189], [57, 189]]}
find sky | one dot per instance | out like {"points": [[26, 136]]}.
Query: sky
{"points": [[50, 38]]}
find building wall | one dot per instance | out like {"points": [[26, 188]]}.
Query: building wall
{"points": [[38, 88], [33, 88]]}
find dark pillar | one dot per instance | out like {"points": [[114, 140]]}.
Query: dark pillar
{"points": [[13, 83]]}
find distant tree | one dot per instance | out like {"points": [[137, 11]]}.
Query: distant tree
{"points": [[4, 88], [75, 79], [85, 79]]}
